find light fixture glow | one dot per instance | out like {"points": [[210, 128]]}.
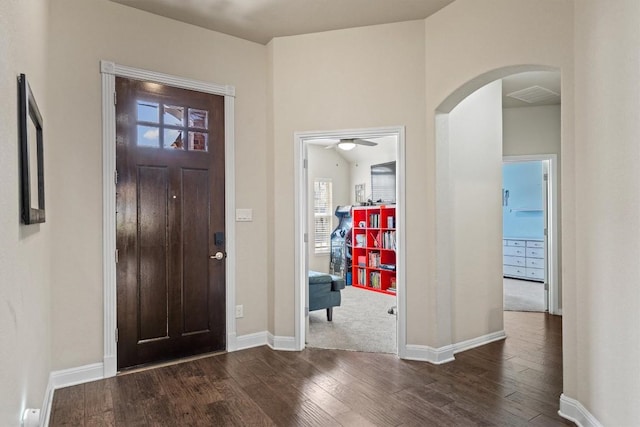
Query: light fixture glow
{"points": [[346, 146]]}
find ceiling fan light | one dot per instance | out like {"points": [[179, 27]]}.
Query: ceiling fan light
{"points": [[346, 146]]}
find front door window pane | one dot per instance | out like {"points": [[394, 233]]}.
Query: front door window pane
{"points": [[148, 111], [197, 141], [173, 139], [198, 118], [173, 116], [148, 136]]}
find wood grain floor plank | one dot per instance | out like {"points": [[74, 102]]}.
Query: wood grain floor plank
{"points": [[514, 382]]}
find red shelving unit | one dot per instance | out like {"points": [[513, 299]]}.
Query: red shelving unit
{"points": [[374, 248]]}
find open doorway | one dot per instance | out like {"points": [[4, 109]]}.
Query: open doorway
{"points": [[531, 123], [528, 212], [350, 206], [469, 156]]}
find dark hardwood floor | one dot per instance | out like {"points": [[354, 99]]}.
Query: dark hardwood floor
{"points": [[507, 383]]}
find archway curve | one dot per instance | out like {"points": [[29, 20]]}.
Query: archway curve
{"points": [[476, 83], [445, 306]]}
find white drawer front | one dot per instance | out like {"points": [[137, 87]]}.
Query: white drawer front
{"points": [[509, 270], [535, 253], [513, 251], [518, 261], [535, 273], [535, 244], [535, 262], [516, 243]]}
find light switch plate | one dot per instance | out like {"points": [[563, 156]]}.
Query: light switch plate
{"points": [[244, 215]]}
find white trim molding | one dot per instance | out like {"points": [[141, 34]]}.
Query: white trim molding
{"points": [[281, 343], [66, 378], [252, 340], [438, 356], [573, 411], [110, 71], [45, 412], [300, 259], [424, 353], [479, 341]]}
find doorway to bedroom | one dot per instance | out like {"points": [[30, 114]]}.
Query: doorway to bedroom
{"points": [[352, 221], [525, 223]]}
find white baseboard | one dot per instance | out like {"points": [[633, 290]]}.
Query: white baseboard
{"points": [[110, 366], [424, 353], [45, 412], [445, 354], [573, 410], [232, 342], [477, 342], [251, 340], [66, 378], [281, 343], [79, 375]]}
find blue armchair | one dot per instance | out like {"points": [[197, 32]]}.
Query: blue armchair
{"points": [[324, 292]]}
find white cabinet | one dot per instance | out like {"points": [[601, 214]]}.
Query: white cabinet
{"points": [[523, 259]]}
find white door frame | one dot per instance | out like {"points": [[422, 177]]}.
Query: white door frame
{"points": [[110, 71], [552, 222], [301, 226]]}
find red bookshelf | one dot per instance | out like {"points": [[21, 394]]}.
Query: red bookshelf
{"points": [[374, 248]]}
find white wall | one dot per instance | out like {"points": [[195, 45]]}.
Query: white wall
{"points": [[349, 79], [25, 334], [536, 130], [83, 33], [607, 295], [365, 156], [475, 167], [531, 130], [489, 40], [323, 163]]}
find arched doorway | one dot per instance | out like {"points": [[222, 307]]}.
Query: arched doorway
{"points": [[452, 297]]}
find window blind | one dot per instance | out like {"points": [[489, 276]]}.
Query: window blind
{"points": [[322, 213]]}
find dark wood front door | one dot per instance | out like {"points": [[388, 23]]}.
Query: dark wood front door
{"points": [[170, 222]]}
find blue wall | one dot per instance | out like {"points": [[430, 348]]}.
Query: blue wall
{"points": [[524, 182]]}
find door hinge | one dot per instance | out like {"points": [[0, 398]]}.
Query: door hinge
{"points": [[115, 98], [545, 231], [117, 335], [306, 311], [117, 255], [115, 177], [306, 237], [546, 176], [304, 163]]}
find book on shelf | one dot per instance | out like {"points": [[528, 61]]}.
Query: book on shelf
{"points": [[374, 221], [389, 240], [374, 280], [374, 259], [362, 277]]}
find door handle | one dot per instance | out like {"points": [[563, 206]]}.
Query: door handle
{"points": [[219, 255]]}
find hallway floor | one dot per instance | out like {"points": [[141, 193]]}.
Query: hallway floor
{"points": [[514, 382]]}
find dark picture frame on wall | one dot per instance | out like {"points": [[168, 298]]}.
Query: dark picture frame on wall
{"points": [[31, 155]]}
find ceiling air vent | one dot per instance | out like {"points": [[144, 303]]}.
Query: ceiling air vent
{"points": [[533, 94]]}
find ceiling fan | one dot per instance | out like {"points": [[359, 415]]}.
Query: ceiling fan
{"points": [[347, 144]]}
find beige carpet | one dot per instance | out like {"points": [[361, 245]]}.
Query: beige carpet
{"points": [[523, 295], [361, 323]]}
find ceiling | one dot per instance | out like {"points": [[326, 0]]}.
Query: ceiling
{"points": [[262, 20], [547, 80]]}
